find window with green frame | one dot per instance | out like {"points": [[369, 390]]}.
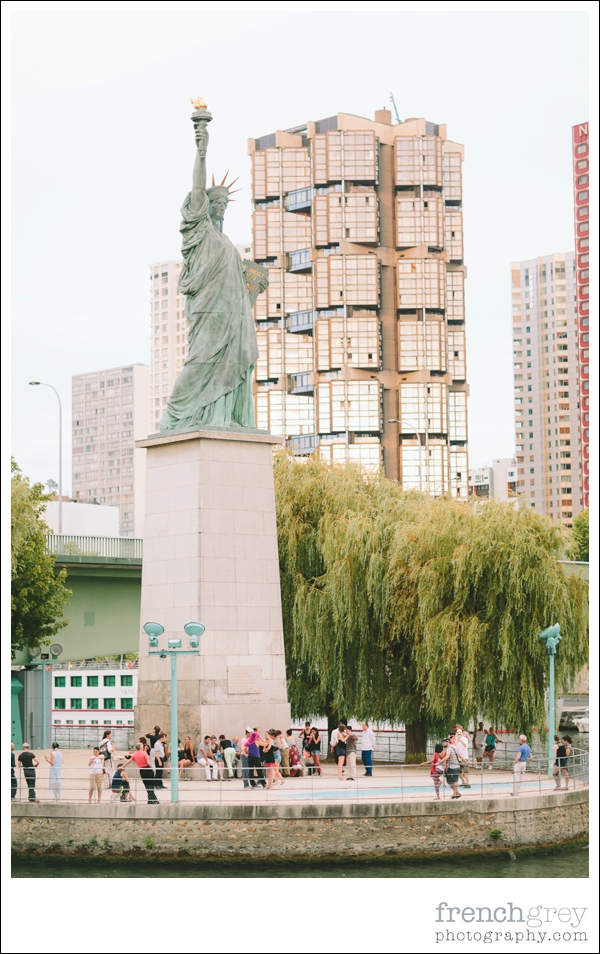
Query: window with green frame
{"points": [[126, 703], [110, 703], [75, 680], [127, 680], [92, 680], [92, 703], [60, 703], [60, 682], [109, 680], [76, 704]]}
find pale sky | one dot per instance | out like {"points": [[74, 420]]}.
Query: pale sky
{"points": [[103, 151]]}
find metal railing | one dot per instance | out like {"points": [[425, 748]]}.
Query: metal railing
{"points": [[113, 548], [112, 662], [399, 783], [86, 736], [390, 746]]}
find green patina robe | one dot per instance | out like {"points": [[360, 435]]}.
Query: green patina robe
{"points": [[214, 387]]}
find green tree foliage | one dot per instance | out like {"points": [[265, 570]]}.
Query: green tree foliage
{"points": [[402, 608], [38, 594], [580, 549]]}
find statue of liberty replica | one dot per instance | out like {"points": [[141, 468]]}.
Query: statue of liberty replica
{"points": [[214, 388]]}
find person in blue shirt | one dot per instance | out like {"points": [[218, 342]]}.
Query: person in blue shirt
{"points": [[520, 764], [120, 785]]}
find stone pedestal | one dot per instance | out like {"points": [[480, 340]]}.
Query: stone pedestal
{"points": [[210, 554]]}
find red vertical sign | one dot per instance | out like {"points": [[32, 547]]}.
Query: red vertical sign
{"points": [[581, 185]]}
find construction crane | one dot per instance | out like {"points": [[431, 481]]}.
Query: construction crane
{"points": [[398, 120]]}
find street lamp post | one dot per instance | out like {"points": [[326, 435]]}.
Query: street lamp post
{"points": [[43, 384], [194, 631], [552, 637], [414, 430], [46, 663]]}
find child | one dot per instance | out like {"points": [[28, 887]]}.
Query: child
{"points": [[120, 785], [436, 771]]}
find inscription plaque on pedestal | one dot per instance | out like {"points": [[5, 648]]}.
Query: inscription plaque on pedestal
{"points": [[244, 680]]}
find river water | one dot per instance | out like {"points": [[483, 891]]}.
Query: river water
{"points": [[566, 863]]}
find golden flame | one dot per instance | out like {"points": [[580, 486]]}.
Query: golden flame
{"points": [[198, 103]]}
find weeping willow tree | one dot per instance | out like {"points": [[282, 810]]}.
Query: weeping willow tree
{"points": [[405, 609]]}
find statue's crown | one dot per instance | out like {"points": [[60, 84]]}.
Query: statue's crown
{"points": [[223, 189]]}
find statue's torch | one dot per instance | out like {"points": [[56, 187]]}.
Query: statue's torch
{"points": [[201, 118]]}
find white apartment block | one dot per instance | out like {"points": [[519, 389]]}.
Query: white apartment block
{"points": [[546, 383], [89, 694], [497, 482], [110, 412]]}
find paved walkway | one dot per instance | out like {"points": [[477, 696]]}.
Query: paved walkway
{"points": [[390, 783]]}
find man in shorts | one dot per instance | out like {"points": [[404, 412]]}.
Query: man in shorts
{"points": [[97, 774], [479, 741]]}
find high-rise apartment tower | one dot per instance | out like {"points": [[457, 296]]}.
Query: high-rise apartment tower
{"points": [[360, 225], [581, 192], [546, 383], [168, 335], [110, 412]]}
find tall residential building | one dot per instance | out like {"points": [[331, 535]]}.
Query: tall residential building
{"points": [[110, 412], [360, 225], [496, 482], [581, 187], [545, 350], [168, 330]]}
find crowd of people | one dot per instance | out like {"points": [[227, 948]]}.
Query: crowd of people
{"points": [[451, 759], [266, 759]]}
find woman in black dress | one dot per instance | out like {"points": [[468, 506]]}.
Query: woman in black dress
{"points": [[563, 752], [340, 751], [189, 756]]}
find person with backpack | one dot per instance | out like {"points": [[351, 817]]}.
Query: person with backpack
{"points": [[452, 758], [107, 747]]}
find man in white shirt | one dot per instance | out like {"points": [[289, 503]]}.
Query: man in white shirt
{"points": [[462, 745], [367, 747], [205, 759], [479, 740]]}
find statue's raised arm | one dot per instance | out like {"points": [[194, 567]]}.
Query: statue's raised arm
{"points": [[214, 387], [201, 119]]}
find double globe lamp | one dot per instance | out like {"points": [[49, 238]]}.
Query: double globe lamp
{"points": [[174, 649]]}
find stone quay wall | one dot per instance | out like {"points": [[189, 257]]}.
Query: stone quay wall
{"points": [[282, 833]]}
